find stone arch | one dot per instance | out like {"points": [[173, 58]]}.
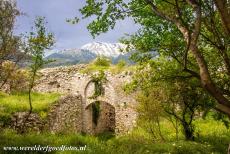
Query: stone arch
{"points": [[109, 96], [100, 118]]}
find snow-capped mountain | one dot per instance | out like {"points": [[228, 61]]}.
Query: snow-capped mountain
{"points": [[105, 49], [89, 52]]}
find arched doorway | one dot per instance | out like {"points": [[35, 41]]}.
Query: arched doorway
{"points": [[100, 118]]}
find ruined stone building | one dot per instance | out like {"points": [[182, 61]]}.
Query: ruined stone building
{"points": [[114, 111]]}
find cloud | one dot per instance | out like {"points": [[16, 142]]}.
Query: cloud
{"points": [[67, 35]]}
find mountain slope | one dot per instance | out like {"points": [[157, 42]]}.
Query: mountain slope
{"points": [[88, 53], [105, 49]]}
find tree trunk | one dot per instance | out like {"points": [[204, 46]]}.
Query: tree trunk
{"points": [[188, 131], [30, 102], [224, 10], [229, 149], [224, 103]]}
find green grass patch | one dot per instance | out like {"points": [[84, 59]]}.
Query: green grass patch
{"points": [[114, 145], [94, 68], [114, 69], [18, 102], [213, 137], [104, 64]]}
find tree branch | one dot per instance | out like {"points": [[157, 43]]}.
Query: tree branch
{"points": [[224, 10]]}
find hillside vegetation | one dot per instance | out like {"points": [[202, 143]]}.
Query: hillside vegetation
{"points": [[102, 63], [18, 102]]}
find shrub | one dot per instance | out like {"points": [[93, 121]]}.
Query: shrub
{"points": [[102, 61], [14, 77], [121, 63]]}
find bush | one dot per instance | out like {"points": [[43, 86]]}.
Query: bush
{"points": [[119, 67], [121, 63], [15, 78], [102, 61], [99, 64]]}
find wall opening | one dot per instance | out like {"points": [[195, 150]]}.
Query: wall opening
{"points": [[95, 112], [100, 118]]}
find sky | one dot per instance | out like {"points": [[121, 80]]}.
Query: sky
{"points": [[66, 35]]}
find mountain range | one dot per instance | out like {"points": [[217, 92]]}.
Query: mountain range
{"points": [[87, 53]]}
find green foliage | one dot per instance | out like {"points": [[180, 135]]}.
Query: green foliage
{"points": [[105, 136], [98, 79], [91, 68], [102, 61], [38, 42], [107, 66], [14, 77], [106, 17], [192, 33], [169, 94], [121, 63], [120, 66], [151, 111], [9, 43], [221, 117], [17, 102]]}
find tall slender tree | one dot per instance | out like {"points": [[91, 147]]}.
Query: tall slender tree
{"points": [[38, 42]]}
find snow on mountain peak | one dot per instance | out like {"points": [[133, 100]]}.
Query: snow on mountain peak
{"points": [[105, 49]]}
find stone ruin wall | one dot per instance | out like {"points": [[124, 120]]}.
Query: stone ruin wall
{"points": [[74, 106], [65, 114]]}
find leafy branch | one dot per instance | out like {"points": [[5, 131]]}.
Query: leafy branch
{"points": [[98, 80]]}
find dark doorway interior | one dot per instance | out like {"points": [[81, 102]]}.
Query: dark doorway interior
{"points": [[100, 117]]}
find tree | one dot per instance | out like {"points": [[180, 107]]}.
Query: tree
{"points": [[150, 113], [9, 43], [183, 101], [15, 77], [169, 95], [193, 32], [38, 42]]}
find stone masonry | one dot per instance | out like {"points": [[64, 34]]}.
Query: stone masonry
{"points": [[66, 114], [74, 111]]}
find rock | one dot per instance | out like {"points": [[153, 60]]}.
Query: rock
{"points": [[25, 122]]}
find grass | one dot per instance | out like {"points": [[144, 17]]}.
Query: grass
{"points": [[104, 64], [18, 102], [213, 138], [114, 69], [213, 133], [124, 144], [93, 68]]}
